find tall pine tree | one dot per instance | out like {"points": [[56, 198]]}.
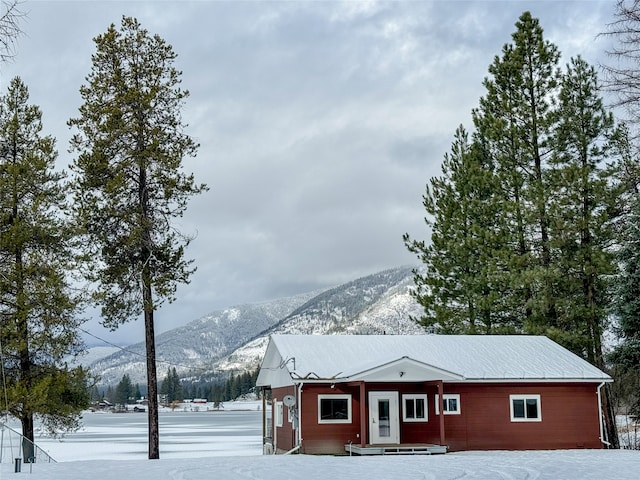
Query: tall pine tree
{"points": [[457, 286], [622, 79], [516, 120], [124, 390], [38, 307], [130, 185], [583, 208], [171, 386], [531, 240], [626, 355]]}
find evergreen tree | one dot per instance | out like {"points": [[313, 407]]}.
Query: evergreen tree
{"points": [[164, 385], [177, 391], [626, 355], [228, 388], [516, 120], [124, 390], [96, 394], [216, 394], [109, 395], [522, 216], [129, 183], [583, 206], [37, 305], [522, 203], [456, 289], [247, 383], [584, 212], [622, 76], [171, 386], [137, 393]]}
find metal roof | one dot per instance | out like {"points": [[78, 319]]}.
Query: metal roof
{"points": [[291, 358]]}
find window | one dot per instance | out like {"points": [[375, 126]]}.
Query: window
{"points": [[279, 414], [525, 408], [414, 408], [269, 414], [450, 403], [334, 408]]}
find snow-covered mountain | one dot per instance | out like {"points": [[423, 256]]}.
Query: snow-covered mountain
{"points": [[193, 348], [377, 304], [94, 354], [235, 339]]}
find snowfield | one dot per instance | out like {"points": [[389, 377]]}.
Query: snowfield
{"points": [[552, 465]]}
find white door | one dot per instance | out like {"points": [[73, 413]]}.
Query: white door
{"points": [[383, 418]]}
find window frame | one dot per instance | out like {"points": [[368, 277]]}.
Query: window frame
{"points": [[413, 397], [335, 396], [445, 397], [269, 417], [279, 414], [525, 397]]}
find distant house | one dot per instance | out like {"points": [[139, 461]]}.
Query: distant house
{"points": [[427, 394]]}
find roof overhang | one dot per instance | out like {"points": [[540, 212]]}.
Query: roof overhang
{"points": [[274, 370], [538, 380], [403, 369]]}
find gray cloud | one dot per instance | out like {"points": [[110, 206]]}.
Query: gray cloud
{"points": [[319, 122]]}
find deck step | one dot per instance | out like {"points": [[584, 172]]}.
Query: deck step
{"points": [[395, 449], [418, 451]]}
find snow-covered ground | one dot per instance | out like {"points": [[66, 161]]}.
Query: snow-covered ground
{"points": [[556, 465], [226, 446]]}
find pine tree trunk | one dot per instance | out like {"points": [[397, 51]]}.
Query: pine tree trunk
{"points": [[152, 381], [28, 451], [26, 370], [611, 430]]}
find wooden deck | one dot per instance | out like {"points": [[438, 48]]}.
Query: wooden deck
{"points": [[402, 449]]}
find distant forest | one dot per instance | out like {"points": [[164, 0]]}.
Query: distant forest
{"points": [[173, 389]]}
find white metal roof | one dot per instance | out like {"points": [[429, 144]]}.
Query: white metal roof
{"points": [[290, 358]]}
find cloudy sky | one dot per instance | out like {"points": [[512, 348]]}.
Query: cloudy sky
{"points": [[319, 123]]}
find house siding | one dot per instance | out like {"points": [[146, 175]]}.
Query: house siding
{"points": [[284, 438], [332, 437], [569, 418]]}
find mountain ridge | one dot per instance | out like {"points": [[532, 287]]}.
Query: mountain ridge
{"points": [[234, 339]]}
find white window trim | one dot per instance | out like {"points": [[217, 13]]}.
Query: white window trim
{"points": [[445, 397], [346, 397], [279, 414], [526, 397], [414, 397]]}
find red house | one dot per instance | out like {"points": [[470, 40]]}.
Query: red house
{"points": [[371, 394]]}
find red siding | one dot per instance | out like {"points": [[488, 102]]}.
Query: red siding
{"points": [[413, 432], [285, 436], [569, 418], [328, 438]]}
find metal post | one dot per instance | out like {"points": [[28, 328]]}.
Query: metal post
{"points": [[363, 416], [441, 407], [18, 465]]}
